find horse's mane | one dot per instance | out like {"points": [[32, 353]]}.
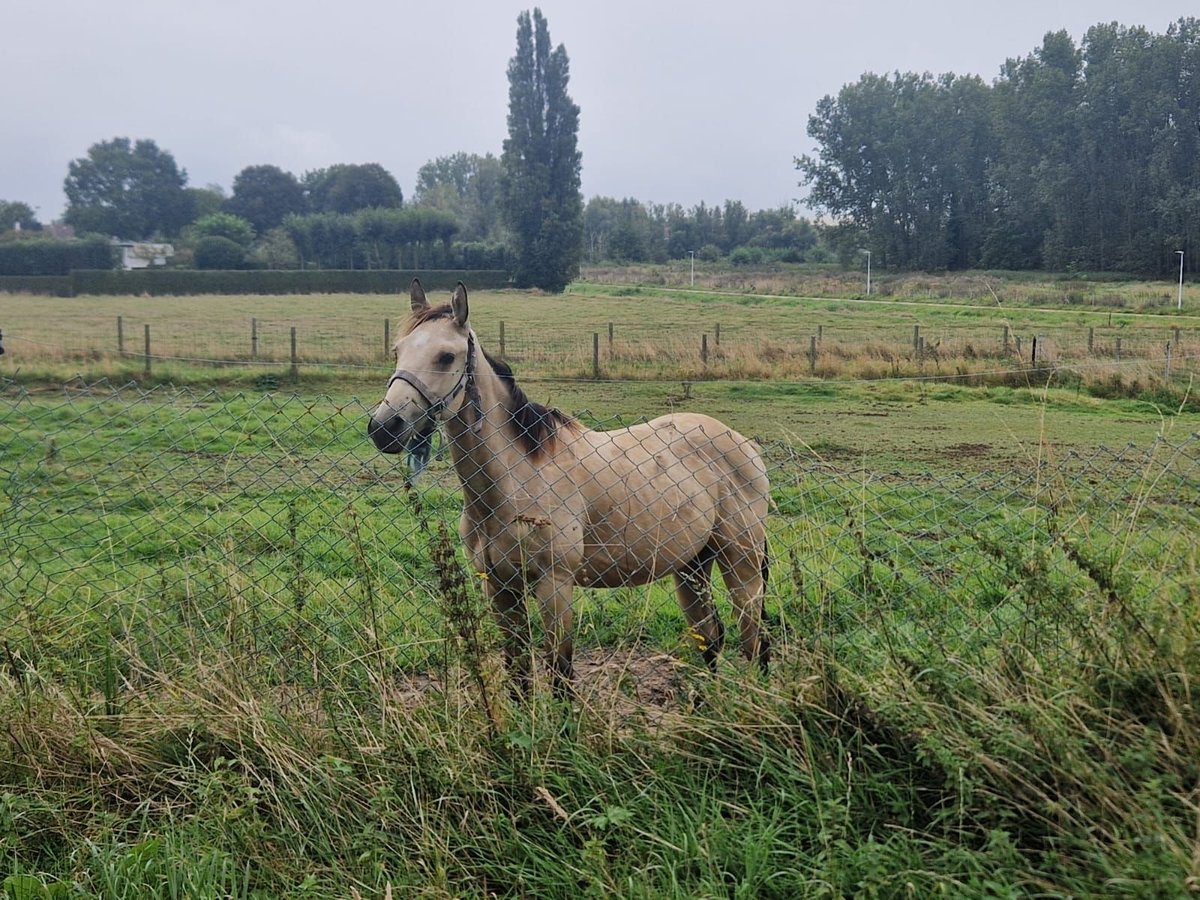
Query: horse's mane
{"points": [[536, 426]]}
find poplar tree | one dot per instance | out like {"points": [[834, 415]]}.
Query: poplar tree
{"points": [[542, 203]]}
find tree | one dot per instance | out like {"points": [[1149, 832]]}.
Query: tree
{"points": [[16, 213], [225, 225], [467, 186], [346, 188], [126, 189], [264, 196], [542, 203]]}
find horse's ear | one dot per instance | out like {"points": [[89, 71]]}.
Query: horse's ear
{"points": [[418, 296], [459, 303]]}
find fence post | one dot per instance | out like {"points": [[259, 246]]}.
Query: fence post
{"points": [[1118, 349], [704, 348], [1006, 336], [610, 340], [820, 334], [596, 355], [502, 339], [812, 354], [147, 327], [295, 372], [253, 339], [1018, 347], [917, 338], [1167, 374], [1175, 336], [1033, 352], [120, 335], [717, 336], [1091, 339], [387, 337]]}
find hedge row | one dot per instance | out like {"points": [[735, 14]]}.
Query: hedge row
{"points": [[174, 282], [49, 285], [46, 257]]}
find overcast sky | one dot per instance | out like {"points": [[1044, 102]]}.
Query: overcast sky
{"points": [[680, 102]]}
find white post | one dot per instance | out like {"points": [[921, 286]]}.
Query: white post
{"points": [[1180, 303], [868, 252]]}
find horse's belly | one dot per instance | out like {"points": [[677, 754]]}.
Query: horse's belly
{"points": [[623, 549]]}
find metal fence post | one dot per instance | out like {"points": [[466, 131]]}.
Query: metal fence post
{"points": [[295, 363]]}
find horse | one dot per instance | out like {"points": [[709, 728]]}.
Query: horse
{"points": [[549, 504]]}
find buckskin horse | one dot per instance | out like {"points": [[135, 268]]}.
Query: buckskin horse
{"points": [[549, 504]]}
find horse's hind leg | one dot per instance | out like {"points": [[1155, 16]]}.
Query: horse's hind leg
{"points": [[744, 570], [693, 587]]}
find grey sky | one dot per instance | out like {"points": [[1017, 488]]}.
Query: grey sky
{"points": [[680, 102]]}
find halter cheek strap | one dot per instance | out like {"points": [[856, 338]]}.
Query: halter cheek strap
{"points": [[467, 381]]}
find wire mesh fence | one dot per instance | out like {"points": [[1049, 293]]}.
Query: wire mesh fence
{"points": [[168, 524]]}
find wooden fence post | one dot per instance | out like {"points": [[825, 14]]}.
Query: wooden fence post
{"points": [[1175, 336], [610, 340], [120, 335], [812, 354], [1006, 336], [253, 339], [820, 334], [1118, 349], [502, 339], [295, 372], [1033, 352], [147, 332], [596, 355], [387, 337], [1167, 373], [704, 349], [1091, 339], [917, 337], [717, 336]]}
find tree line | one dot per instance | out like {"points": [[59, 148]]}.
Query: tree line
{"points": [[1077, 157]]}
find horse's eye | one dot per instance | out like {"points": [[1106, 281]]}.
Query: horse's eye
{"points": [[445, 359]]}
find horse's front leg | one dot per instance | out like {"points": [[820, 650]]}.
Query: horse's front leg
{"points": [[508, 604], [554, 591]]}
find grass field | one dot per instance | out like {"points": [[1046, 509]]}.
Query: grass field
{"points": [[230, 664]]}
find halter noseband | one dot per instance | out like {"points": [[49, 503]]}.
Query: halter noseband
{"points": [[435, 407]]}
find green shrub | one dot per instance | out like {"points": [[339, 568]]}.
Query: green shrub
{"points": [[224, 225], [217, 252]]}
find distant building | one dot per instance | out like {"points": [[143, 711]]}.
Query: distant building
{"points": [[139, 255]]}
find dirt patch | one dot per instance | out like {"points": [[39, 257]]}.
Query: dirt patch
{"points": [[624, 684], [966, 451]]}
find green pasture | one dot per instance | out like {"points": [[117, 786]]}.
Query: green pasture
{"points": [[656, 332], [228, 667]]}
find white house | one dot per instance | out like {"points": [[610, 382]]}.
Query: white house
{"points": [[139, 255]]}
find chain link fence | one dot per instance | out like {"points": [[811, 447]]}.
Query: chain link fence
{"points": [[165, 525]]}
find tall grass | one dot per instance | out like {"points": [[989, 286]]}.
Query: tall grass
{"points": [[859, 768]]}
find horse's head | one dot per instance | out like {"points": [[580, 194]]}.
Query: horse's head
{"points": [[435, 363]]}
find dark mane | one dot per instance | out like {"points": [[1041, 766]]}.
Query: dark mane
{"points": [[536, 426]]}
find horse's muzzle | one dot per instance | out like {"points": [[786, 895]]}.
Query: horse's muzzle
{"points": [[390, 435]]}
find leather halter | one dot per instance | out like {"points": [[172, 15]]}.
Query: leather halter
{"points": [[435, 407]]}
